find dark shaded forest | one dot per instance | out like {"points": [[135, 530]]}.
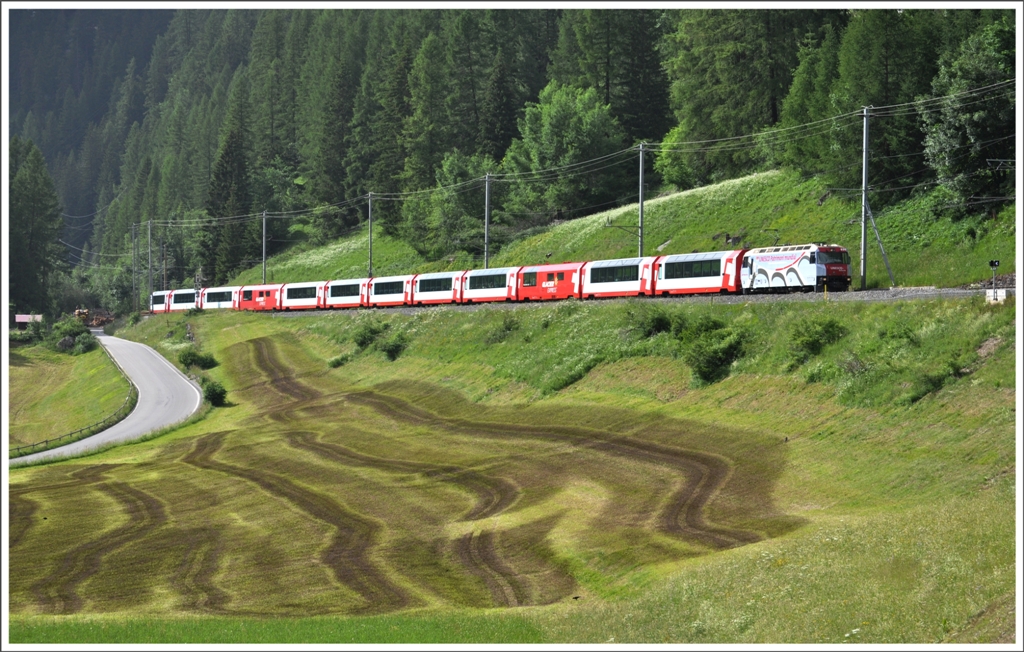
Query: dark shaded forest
{"points": [[182, 128]]}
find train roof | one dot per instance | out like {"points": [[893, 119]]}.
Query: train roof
{"points": [[705, 255], [552, 267], [814, 246], [439, 275], [618, 262], [492, 270]]}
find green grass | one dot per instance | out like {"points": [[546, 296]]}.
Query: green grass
{"points": [[377, 477], [52, 394], [924, 246], [487, 439]]}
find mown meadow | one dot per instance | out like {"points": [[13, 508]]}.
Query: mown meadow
{"points": [[54, 393], [619, 471]]}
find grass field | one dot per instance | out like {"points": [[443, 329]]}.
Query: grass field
{"points": [[54, 393], [857, 488]]}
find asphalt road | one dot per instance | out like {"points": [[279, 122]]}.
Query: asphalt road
{"points": [[166, 397]]}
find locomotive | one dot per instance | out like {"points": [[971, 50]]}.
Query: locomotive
{"points": [[814, 267]]}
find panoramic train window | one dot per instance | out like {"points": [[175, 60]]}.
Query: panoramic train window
{"points": [[614, 274], [436, 284], [158, 300], [694, 269], [302, 293], [530, 279], [217, 297], [391, 287], [345, 290], [488, 282], [188, 297]]}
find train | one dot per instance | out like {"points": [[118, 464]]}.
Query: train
{"points": [[812, 267]]}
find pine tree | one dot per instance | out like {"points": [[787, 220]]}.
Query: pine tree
{"points": [[35, 224], [499, 109]]}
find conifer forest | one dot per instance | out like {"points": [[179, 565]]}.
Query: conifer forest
{"points": [[175, 131]]}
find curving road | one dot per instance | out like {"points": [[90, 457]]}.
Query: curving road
{"points": [[166, 397]]}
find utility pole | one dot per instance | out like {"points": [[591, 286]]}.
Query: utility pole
{"points": [[163, 261], [864, 209], [264, 247], [640, 252], [149, 245], [487, 216], [135, 290], [369, 197]]}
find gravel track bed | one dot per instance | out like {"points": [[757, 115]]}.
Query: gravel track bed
{"points": [[889, 294]]}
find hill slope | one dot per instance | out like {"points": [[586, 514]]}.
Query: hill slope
{"points": [[501, 457], [924, 248]]}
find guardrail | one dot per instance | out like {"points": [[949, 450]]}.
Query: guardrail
{"points": [[88, 431]]}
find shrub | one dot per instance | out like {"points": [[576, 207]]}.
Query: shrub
{"points": [[647, 319], [509, 324], [710, 354], [20, 336], [64, 332], [84, 343], [336, 362], [368, 333], [813, 335], [214, 392], [134, 319], [393, 346], [192, 358]]}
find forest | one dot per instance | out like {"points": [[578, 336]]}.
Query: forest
{"points": [[179, 134]]}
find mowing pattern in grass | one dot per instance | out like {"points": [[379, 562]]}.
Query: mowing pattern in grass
{"points": [[53, 393], [417, 505]]}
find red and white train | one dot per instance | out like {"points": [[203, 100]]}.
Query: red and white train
{"points": [[786, 268]]}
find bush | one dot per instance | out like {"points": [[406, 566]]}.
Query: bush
{"points": [[509, 324], [647, 319], [214, 392], [393, 346], [64, 333], [336, 362], [21, 336], [134, 319], [192, 358], [84, 343], [812, 336], [710, 354], [368, 333]]}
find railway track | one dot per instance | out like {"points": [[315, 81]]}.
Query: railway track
{"points": [[875, 295]]}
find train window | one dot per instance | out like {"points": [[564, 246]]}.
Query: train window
{"points": [[158, 300], [217, 297], [615, 274], [833, 257], [302, 293], [187, 297], [246, 295], [561, 276], [391, 287], [487, 282], [436, 284], [530, 279], [345, 290]]}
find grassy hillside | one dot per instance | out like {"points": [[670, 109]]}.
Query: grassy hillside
{"points": [[631, 471], [52, 394], [923, 248]]}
